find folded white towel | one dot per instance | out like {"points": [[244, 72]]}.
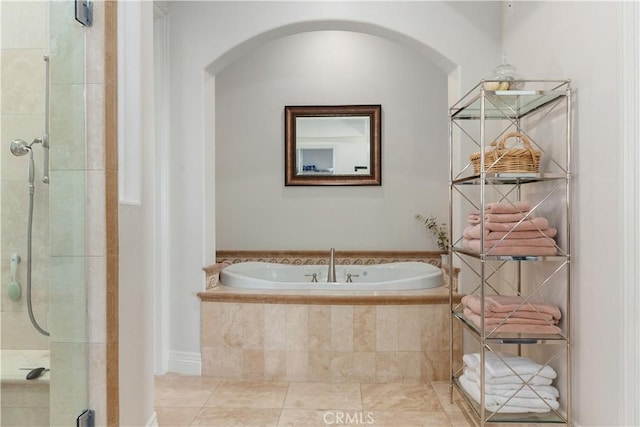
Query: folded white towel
{"points": [[503, 364], [511, 405], [510, 380], [514, 389]]}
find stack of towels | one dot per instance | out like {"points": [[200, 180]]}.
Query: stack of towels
{"points": [[513, 384], [505, 313], [509, 229]]}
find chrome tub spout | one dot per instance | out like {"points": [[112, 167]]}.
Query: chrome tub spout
{"points": [[331, 275]]}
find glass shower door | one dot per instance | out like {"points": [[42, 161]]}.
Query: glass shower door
{"points": [[34, 36]]}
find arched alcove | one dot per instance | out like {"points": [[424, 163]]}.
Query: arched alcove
{"points": [[386, 219]]}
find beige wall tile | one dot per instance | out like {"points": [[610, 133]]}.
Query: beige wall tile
{"points": [[319, 365], [320, 327], [253, 364], [409, 366], [297, 365], [387, 328], [67, 213], [275, 362], [341, 366], [275, 327], [297, 327], [25, 69], [409, 326], [341, 328], [67, 131], [364, 328], [364, 366], [14, 36], [387, 369], [252, 325], [434, 327]]}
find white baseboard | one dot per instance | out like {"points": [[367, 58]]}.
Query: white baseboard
{"points": [[153, 421], [185, 363]]}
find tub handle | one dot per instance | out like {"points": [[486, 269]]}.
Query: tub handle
{"points": [[349, 276], [314, 277]]}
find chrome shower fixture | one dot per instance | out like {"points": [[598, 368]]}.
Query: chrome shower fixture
{"points": [[20, 147]]}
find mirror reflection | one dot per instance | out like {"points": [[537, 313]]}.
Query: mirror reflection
{"points": [[332, 145]]}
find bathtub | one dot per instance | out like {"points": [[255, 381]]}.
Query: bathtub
{"points": [[391, 276]]}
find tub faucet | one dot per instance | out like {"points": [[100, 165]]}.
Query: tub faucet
{"points": [[331, 275]]}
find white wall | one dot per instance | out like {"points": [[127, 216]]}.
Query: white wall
{"points": [[461, 38], [581, 41], [254, 210], [135, 221]]}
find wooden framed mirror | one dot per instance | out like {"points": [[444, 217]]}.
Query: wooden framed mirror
{"points": [[332, 145]]}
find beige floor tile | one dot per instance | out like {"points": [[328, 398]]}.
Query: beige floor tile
{"points": [[459, 419], [323, 396], [400, 397], [176, 417], [304, 418], [231, 394], [409, 419], [237, 417], [442, 391], [183, 391]]}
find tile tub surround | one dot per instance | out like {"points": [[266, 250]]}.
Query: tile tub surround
{"points": [[324, 336]]}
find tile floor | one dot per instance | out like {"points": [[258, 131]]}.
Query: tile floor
{"points": [[207, 401]]}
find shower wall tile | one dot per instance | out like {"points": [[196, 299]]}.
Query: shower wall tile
{"points": [[97, 391], [67, 50], [95, 127], [68, 381], [16, 395], [23, 81], [67, 213], [96, 299], [18, 333], [95, 36], [26, 127], [67, 127], [96, 221], [68, 303], [15, 36]]}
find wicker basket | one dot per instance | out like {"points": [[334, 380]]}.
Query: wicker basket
{"points": [[503, 159]]}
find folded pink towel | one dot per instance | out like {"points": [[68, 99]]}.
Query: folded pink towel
{"points": [[508, 207], [474, 217], [520, 314], [474, 245], [506, 319], [502, 304], [515, 327], [538, 223], [472, 232], [490, 244]]}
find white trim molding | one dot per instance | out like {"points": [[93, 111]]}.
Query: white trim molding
{"points": [[161, 262], [630, 208], [185, 363]]}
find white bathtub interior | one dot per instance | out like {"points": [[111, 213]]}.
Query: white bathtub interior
{"points": [[390, 276]]}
